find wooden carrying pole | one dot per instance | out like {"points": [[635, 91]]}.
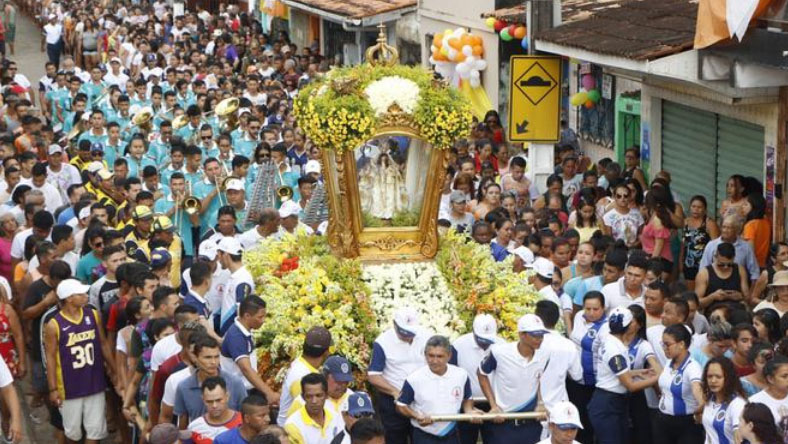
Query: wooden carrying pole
{"points": [[489, 416]]}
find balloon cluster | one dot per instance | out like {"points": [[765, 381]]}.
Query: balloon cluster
{"points": [[508, 32], [460, 48], [588, 96]]}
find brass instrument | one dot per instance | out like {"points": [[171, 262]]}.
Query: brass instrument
{"points": [[78, 129], [143, 119], [100, 98], [226, 110], [191, 205], [284, 193], [179, 122]]}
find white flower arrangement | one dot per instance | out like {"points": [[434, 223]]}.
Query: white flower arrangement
{"points": [[390, 90], [419, 285]]}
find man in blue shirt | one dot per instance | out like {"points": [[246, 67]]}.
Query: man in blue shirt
{"points": [[482, 233], [256, 417]]}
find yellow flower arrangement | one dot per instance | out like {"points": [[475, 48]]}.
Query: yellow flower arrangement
{"points": [[337, 115]]}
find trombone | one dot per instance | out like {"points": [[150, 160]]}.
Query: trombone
{"points": [[221, 183], [190, 205]]}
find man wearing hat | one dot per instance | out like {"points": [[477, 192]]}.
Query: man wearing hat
{"points": [[115, 76], [509, 378], [236, 198], [358, 406], [396, 353], [563, 422], [239, 286], [542, 279], [77, 352], [339, 375], [164, 236], [61, 175], [289, 214], [467, 352], [312, 169], [53, 37], [315, 351], [780, 286], [137, 240]]}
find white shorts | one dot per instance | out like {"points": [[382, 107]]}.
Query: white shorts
{"points": [[88, 411]]}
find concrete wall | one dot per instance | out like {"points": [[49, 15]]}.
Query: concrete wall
{"points": [[299, 28], [438, 15]]}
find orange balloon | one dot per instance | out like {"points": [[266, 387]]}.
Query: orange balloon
{"points": [[589, 104], [519, 32], [476, 40], [438, 57], [465, 39], [455, 43], [437, 40], [460, 57], [478, 50]]}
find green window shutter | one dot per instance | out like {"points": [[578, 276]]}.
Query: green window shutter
{"points": [[689, 140], [740, 147]]}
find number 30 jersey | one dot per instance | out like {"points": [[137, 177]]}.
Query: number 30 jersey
{"points": [[80, 364]]}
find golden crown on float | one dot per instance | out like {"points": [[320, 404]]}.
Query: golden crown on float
{"points": [[385, 131]]}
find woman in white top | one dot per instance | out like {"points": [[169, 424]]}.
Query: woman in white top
{"points": [[725, 401], [757, 425], [681, 391], [641, 356], [608, 410], [775, 395]]}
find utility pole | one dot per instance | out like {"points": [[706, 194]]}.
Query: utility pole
{"points": [[540, 16]]}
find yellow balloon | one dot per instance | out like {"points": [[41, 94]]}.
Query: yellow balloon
{"points": [[445, 51], [579, 98], [490, 22]]}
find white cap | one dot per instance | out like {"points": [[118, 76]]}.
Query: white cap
{"points": [[485, 327], [230, 245], [525, 254], [217, 33], [312, 166], [543, 267], [235, 184], [54, 148], [564, 414], [406, 320], [115, 59], [289, 208], [531, 324], [70, 287], [51, 16], [620, 315], [243, 111], [84, 212], [208, 250], [94, 167]]}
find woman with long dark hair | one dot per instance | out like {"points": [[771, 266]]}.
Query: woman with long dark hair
{"points": [[757, 425], [775, 394], [734, 188], [757, 228], [642, 354], [775, 261], [725, 401], [699, 230], [655, 236]]}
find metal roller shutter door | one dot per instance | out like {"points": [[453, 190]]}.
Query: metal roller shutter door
{"points": [[740, 147], [689, 140]]}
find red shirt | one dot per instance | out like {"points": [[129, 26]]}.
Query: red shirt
{"points": [[168, 367]]}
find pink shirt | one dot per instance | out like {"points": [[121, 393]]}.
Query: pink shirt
{"points": [[649, 236]]}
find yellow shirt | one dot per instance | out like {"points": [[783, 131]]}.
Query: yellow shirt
{"points": [[302, 429], [335, 405]]}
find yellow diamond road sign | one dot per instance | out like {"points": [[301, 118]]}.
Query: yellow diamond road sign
{"points": [[535, 99]]}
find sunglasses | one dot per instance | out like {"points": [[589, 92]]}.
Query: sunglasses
{"points": [[622, 196], [207, 137], [725, 264]]}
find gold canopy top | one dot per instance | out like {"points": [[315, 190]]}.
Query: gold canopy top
{"points": [[381, 53]]}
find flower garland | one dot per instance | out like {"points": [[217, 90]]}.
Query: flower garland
{"points": [[482, 285], [304, 285], [345, 107], [419, 285]]}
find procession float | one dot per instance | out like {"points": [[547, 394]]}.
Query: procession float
{"points": [[385, 131]]}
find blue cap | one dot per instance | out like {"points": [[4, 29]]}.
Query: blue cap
{"points": [[339, 368], [358, 403], [159, 257], [97, 147]]}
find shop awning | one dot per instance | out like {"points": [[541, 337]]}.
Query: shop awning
{"points": [[356, 12]]}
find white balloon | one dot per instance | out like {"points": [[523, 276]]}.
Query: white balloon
{"points": [[433, 48], [458, 32], [432, 61], [467, 50], [476, 82], [463, 68], [475, 75], [452, 54], [480, 65], [470, 59]]}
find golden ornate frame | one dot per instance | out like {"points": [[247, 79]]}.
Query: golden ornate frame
{"points": [[346, 234]]}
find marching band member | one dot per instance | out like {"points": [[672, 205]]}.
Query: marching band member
{"points": [[95, 87], [136, 156], [171, 206], [97, 131], [113, 149], [190, 133], [151, 184], [208, 191], [160, 144], [245, 145]]}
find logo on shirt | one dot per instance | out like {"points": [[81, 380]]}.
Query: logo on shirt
{"points": [[591, 333], [677, 379], [720, 415], [456, 392]]}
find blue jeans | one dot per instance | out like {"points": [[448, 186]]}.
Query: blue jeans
{"points": [[53, 52]]}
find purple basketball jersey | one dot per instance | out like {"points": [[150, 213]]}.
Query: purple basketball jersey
{"points": [[80, 362]]}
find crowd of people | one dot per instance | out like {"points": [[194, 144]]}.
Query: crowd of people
{"points": [[127, 204]]}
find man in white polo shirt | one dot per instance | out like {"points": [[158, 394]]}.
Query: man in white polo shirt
{"points": [[564, 422], [509, 377], [239, 286], [562, 356], [396, 353], [628, 289], [467, 352], [436, 388]]}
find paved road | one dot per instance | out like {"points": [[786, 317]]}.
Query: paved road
{"points": [[28, 57]]}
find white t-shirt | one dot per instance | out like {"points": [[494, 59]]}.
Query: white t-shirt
{"points": [[624, 226], [163, 350], [716, 419], [614, 362], [171, 386], [779, 407], [53, 33]]}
